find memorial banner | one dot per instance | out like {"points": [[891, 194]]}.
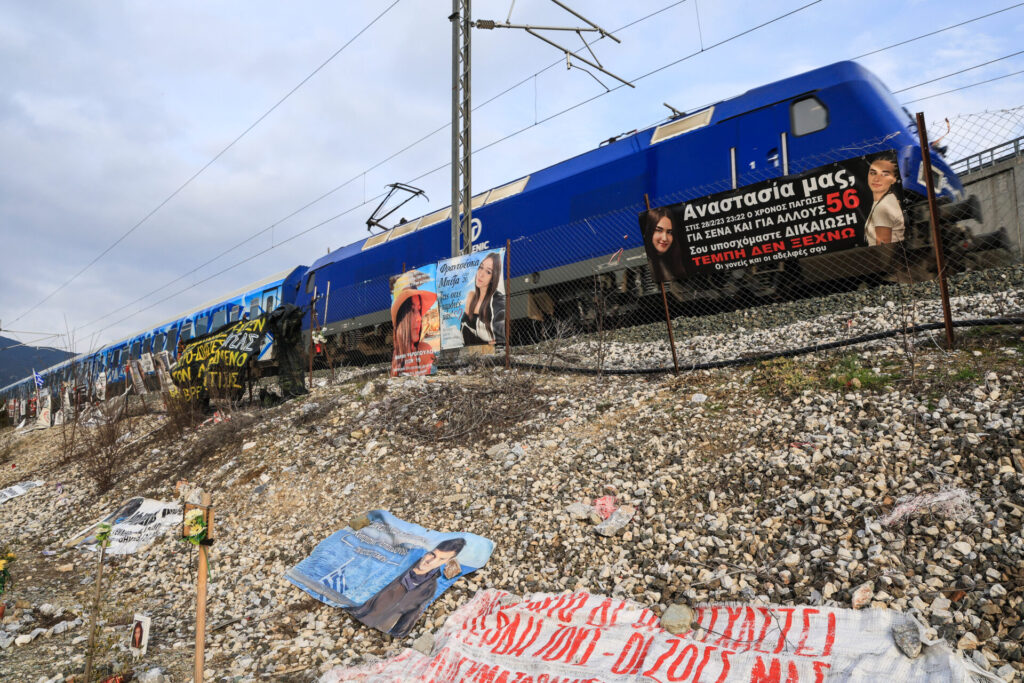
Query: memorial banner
{"points": [[218, 361], [135, 525], [135, 373], [146, 361], [43, 416], [471, 297], [415, 321], [387, 572], [846, 204], [547, 638], [18, 490]]}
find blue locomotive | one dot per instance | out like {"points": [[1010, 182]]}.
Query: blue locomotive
{"points": [[576, 221]]}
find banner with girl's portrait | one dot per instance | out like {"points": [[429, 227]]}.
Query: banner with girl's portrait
{"points": [[471, 296], [852, 203], [416, 322]]}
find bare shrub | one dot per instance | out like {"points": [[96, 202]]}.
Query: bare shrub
{"points": [[104, 453], [474, 412]]}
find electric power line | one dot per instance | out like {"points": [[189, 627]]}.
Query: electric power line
{"points": [[956, 73], [964, 87], [205, 166]]}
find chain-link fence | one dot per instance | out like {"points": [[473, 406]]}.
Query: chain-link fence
{"points": [[583, 295]]}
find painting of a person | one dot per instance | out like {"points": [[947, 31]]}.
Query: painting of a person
{"points": [[412, 356], [483, 317], [885, 220], [397, 606], [137, 632], [664, 249]]}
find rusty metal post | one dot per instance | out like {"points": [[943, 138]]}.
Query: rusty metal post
{"points": [[668, 317], [940, 258], [202, 572], [312, 306], [508, 303]]}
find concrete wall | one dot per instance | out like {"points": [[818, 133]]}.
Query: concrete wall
{"points": [[1000, 189]]}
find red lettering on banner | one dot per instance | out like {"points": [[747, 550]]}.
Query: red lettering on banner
{"points": [[805, 632], [830, 635], [674, 642], [720, 257], [725, 666], [774, 672], [711, 626], [600, 613], [766, 613], [703, 662], [734, 613], [767, 248], [582, 660], [566, 613], [506, 641], [647, 618], [784, 636], [819, 671], [745, 637], [689, 653], [637, 645]]}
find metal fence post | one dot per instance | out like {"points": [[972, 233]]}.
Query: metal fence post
{"points": [[940, 259]]}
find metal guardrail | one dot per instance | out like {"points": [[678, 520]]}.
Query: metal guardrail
{"points": [[989, 157]]}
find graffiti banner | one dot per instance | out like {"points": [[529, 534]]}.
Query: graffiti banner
{"points": [[135, 525], [471, 297], [415, 321], [846, 204], [218, 361], [583, 637], [387, 573], [18, 490], [135, 373]]}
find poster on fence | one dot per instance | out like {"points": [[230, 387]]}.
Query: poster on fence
{"points": [[584, 637], [850, 203], [135, 525], [386, 573], [471, 298], [218, 361], [101, 386], [18, 490], [416, 322], [43, 417]]}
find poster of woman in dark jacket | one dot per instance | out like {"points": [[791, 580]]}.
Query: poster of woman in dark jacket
{"points": [[471, 290]]}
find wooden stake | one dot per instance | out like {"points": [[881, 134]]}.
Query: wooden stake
{"points": [[668, 317], [508, 303], [940, 259], [312, 310], [95, 611], [201, 596]]}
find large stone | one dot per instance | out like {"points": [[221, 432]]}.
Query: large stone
{"points": [[677, 619], [617, 522], [908, 638]]}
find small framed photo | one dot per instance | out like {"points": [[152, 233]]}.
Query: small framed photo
{"points": [[140, 635]]}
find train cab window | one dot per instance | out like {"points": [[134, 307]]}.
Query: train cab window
{"points": [[808, 115], [219, 318], [310, 283]]}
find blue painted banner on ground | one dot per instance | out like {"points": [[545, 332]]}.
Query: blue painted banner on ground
{"points": [[415, 321], [387, 573], [471, 294]]}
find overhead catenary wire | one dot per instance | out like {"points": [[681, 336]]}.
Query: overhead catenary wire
{"points": [[513, 134], [964, 87], [207, 165], [957, 73]]}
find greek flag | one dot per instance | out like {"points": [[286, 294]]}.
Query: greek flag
{"points": [[38, 377]]}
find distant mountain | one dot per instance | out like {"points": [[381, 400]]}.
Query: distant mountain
{"points": [[17, 361]]}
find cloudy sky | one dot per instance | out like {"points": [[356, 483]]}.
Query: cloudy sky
{"points": [[109, 110]]}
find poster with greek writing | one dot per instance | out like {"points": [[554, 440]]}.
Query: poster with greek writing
{"points": [[18, 490], [585, 637], [416, 322], [135, 524], [43, 418], [386, 573], [146, 361], [471, 297], [218, 361], [846, 204]]}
